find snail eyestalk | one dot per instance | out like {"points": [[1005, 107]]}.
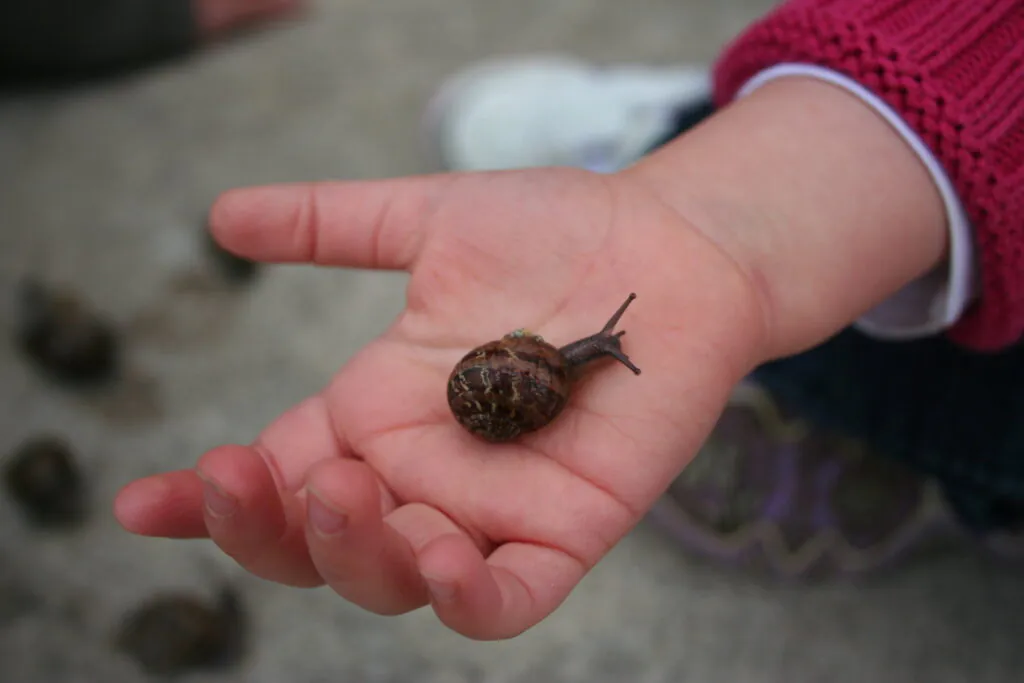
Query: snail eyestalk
{"points": [[614, 320], [604, 343]]}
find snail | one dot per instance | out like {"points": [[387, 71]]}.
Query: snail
{"points": [[43, 477], [173, 633], [64, 336], [520, 383]]}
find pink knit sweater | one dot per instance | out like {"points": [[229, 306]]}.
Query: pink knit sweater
{"points": [[954, 70]]}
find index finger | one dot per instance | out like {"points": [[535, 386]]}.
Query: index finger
{"points": [[375, 224]]}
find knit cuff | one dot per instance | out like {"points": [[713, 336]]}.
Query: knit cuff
{"points": [[934, 302]]}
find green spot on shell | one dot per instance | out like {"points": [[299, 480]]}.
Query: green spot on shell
{"points": [[523, 332]]}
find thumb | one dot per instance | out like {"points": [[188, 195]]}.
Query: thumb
{"points": [[360, 224]]}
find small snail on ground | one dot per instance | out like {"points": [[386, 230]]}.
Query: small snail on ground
{"points": [[43, 477], [520, 383], [176, 633], [64, 336]]}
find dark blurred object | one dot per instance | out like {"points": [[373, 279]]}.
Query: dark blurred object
{"points": [[178, 633], [233, 268], [55, 42], [64, 336], [43, 477]]}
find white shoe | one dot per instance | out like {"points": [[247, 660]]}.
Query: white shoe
{"points": [[557, 111]]}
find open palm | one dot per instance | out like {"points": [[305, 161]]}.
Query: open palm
{"points": [[371, 486]]}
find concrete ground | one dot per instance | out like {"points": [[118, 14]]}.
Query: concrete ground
{"points": [[104, 187]]}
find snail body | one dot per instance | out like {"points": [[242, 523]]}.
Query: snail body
{"points": [[521, 383]]}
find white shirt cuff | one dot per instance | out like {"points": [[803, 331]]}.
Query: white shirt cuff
{"points": [[933, 303]]}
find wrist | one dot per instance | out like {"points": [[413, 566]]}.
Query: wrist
{"points": [[708, 321], [821, 204]]}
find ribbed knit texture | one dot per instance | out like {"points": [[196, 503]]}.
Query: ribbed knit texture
{"points": [[954, 69]]}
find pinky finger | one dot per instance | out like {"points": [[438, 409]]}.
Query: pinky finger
{"points": [[166, 505], [499, 597]]}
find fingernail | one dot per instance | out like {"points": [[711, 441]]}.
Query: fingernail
{"points": [[443, 591], [325, 520], [218, 502]]}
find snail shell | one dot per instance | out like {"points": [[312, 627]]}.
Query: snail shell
{"points": [[508, 387], [520, 383], [42, 476], [177, 633], [62, 334]]}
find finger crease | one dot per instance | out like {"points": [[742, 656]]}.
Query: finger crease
{"points": [[527, 589], [384, 213], [271, 462], [309, 224], [335, 429], [582, 563]]}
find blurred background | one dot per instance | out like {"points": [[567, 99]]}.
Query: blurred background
{"points": [[104, 187]]}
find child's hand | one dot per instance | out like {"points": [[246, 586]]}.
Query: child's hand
{"points": [[413, 508]]}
